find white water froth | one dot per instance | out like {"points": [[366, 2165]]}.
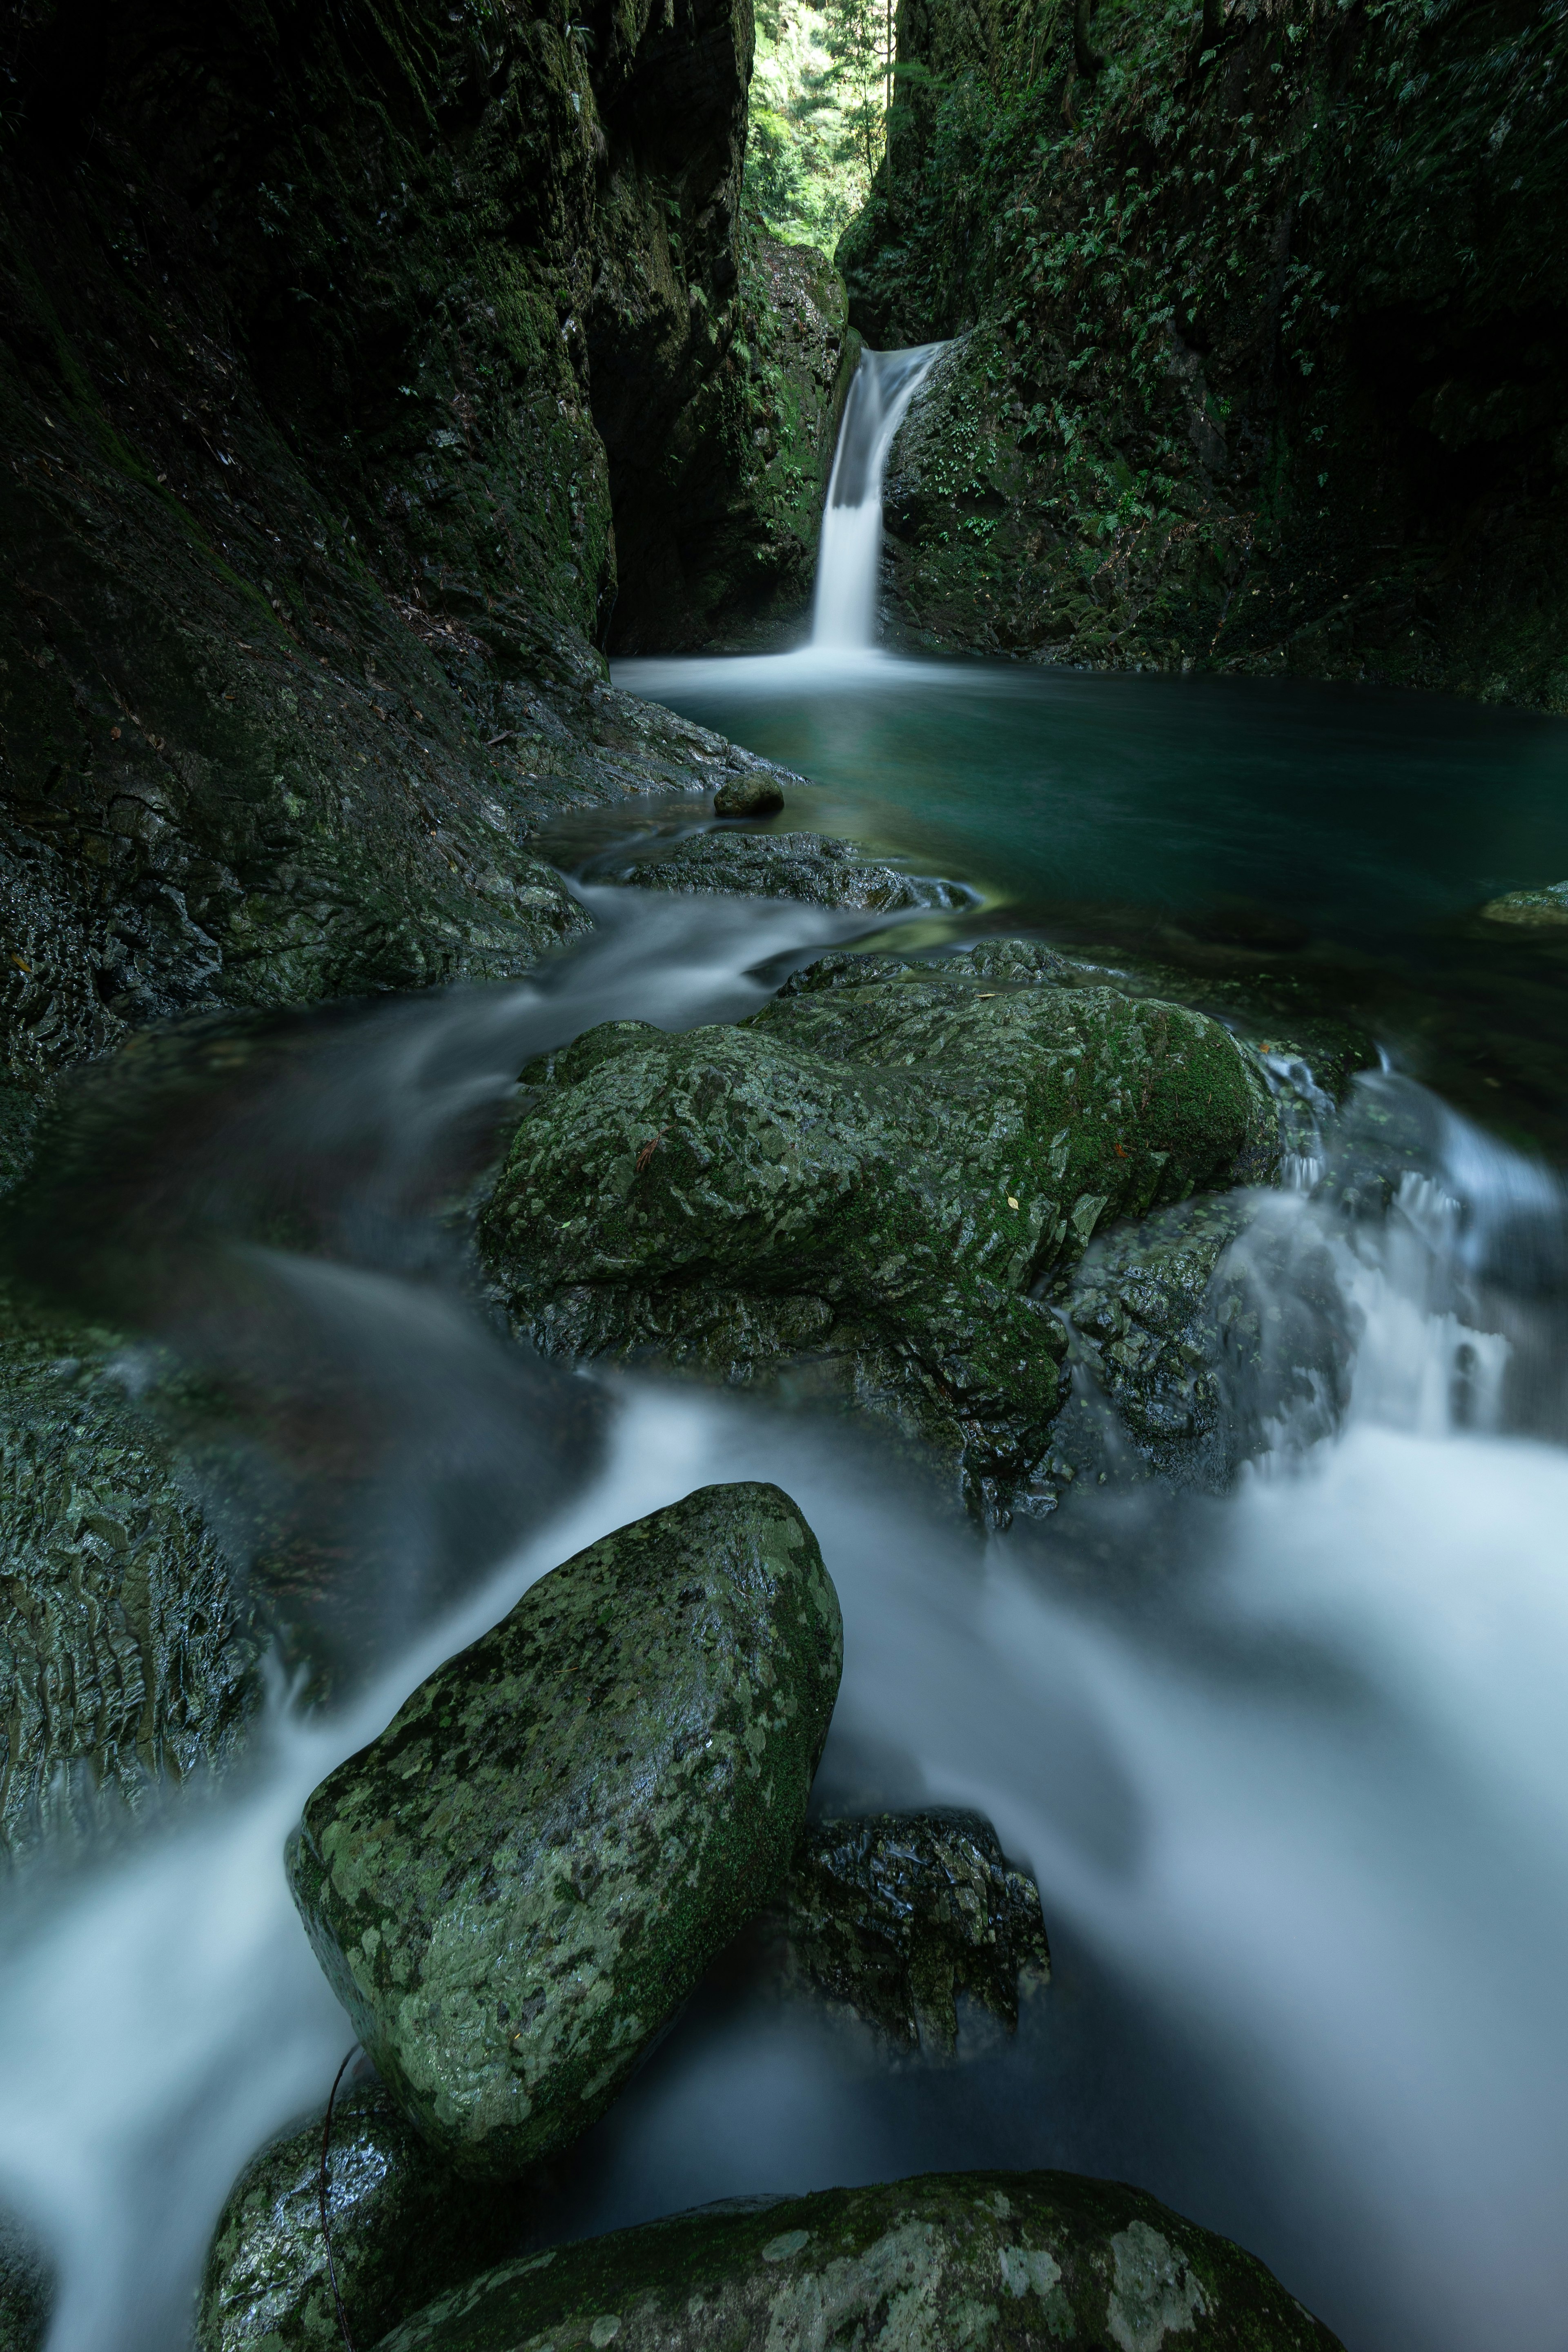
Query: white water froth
{"points": [[1314, 1815], [850, 551]]}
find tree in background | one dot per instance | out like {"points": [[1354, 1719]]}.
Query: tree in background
{"points": [[820, 91]]}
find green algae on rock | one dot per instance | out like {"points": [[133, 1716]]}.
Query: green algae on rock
{"points": [[810, 865], [891, 1915], [401, 2228], [125, 1657], [1543, 909], [514, 1888], [874, 1180], [1004, 2261]]}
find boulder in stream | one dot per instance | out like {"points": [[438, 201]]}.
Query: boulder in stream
{"points": [[809, 865], [402, 2229], [125, 1657], [891, 1915], [756, 793], [26, 2288], [515, 1887], [1013, 2261], [1530, 910], [867, 1189]]}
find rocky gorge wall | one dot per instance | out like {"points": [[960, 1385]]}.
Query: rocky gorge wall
{"points": [[355, 367], [1264, 319]]}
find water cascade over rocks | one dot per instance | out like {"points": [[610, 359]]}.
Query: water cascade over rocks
{"points": [[850, 554]]}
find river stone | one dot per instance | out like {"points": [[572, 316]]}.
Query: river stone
{"points": [[893, 1915], [1013, 2261], [126, 1660], [754, 794], [809, 865], [872, 1186], [1544, 909], [514, 1888], [401, 2228], [26, 2288]]}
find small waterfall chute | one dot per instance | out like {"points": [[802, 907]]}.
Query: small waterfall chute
{"points": [[844, 614]]}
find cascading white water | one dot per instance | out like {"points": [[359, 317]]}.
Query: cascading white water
{"points": [[1308, 1809], [849, 553]]}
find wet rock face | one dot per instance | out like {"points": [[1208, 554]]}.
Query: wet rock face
{"points": [[125, 1657], [871, 1181], [515, 1887], [402, 2229], [1016, 2262], [809, 865], [1542, 910], [307, 516], [27, 2289], [894, 1915]]}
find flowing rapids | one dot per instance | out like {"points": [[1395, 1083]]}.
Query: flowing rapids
{"points": [[1289, 1765]]}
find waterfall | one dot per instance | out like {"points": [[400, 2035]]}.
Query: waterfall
{"points": [[844, 616]]}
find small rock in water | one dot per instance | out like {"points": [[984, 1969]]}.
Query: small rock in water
{"points": [[895, 1915], [402, 2229], [1531, 909], [27, 2289], [1010, 2261], [515, 1887], [755, 794]]}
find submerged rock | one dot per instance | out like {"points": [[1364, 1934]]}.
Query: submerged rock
{"points": [[757, 794], [1009, 2260], [514, 1888], [27, 2289], [894, 1916], [809, 865], [125, 1657], [872, 1183], [1531, 909], [402, 2229]]}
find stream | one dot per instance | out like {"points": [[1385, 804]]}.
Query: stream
{"points": [[1290, 1764]]}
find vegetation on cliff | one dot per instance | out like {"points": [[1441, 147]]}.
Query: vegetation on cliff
{"points": [[1265, 323]]}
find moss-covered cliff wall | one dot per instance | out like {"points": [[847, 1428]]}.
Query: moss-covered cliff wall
{"points": [[1268, 367], [356, 365]]}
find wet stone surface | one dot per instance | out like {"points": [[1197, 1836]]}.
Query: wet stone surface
{"points": [[402, 2227], [809, 865], [515, 1887], [27, 2289], [893, 1916], [1013, 2261], [870, 1188]]}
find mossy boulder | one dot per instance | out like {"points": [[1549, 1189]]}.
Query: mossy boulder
{"points": [[892, 1915], [809, 865], [1013, 2261], [1530, 910], [875, 1180], [402, 2229], [126, 1658], [514, 1888]]}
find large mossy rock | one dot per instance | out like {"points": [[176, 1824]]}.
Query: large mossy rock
{"points": [[815, 866], [126, 1658], [402, 2229], [872, 1179], [514, 1888], [1002, 2262]]}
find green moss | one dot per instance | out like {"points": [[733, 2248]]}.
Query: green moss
{"points": [[1006, 2261], [875, 1178], [516, 1886], [1269, 345]]}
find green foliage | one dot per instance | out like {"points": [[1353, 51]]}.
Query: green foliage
{"points": [[818, 104]]}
